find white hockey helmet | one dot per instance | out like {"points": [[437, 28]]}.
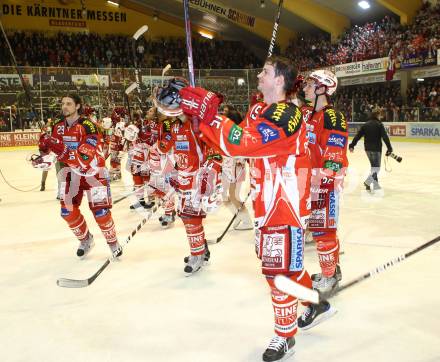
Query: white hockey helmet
{"points": [[131, 133], [167, 98], [325, 78], [107, 123], [119, 128]]}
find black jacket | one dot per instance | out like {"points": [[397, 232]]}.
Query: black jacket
{"points": [[373, 132]]}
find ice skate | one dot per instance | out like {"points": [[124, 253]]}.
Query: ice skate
{"points": [[167, 221], [85, 246], [279, 348], [195, 262], [207, 254], [315, 314], [113, 247]]}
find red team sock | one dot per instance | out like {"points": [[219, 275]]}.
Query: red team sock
{"points": [[328, 252], [76, 223], [105, 222], [285, 306], [195, 235]]}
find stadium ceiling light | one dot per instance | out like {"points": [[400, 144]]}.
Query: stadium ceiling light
{"points": [[112, 3], [262, 4], [206, 35], [420, 80], [364, 4]]}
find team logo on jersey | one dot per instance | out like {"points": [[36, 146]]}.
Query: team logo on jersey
{"points": [[336, 140], [268, 133], [182, 146], [235, 135], [255, 112], [311, 137]]}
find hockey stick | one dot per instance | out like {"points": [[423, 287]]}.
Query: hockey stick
{"points": [[164, 71], [136, 36], [192, 82], [129, 194], [288, 286], [233, 218], [275, 29], [81, 283]]}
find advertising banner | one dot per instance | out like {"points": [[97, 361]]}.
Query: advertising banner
{"points": [[14, 139], [90, 79], [14, 79], [424, 130], [361, 68]]}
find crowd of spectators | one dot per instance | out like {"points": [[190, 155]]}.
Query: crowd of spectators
{"points": [[420, 39], [111, 51], [422, 101]]}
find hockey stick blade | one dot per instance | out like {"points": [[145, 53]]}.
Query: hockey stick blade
{"points": [[166, 69], [288, 286], [140, 31], [81, 283], [131, 88]]}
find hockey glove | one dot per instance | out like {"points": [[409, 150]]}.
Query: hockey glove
{"points": [[55, 145], [389, 152], [200, 103]]}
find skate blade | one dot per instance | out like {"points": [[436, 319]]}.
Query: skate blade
{"points": [[322, 318]]}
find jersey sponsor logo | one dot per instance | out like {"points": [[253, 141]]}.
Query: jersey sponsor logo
{"points": [[182, 146], [334, 120], [168, 137], [235, 135], [318, 218], [297, 262], [311, 137], [331, 165], [89, 126], [71, 145], [332, 205], [181, 137], [273, 251], [336, 140], [268, 134], [284, 115], [92, 141]]}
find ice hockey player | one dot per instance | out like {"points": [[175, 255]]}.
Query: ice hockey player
{"points": [[327, 134], [78, 145], [117, 142], [274, 137], [198, 179]]}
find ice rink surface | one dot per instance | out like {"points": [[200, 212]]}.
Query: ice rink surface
{"points": [[143, 308]]}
